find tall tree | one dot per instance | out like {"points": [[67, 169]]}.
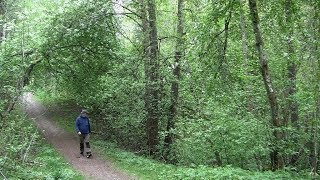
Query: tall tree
{"points": [[314, 147], [223, 54], [292, 67], [276, 157], [179, 51], [2, 18], [152, 80], [21, 83], [244, 43], [292, 70]]}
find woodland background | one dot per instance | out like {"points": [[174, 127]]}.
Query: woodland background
{"points": [[186, 82]]}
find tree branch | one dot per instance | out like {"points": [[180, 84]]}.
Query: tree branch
{"points": [[126, 8], [27, 150], [3, 175], [25, 53], [20, 84]]}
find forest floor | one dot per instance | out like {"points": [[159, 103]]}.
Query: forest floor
{"points": [[67, 144]]}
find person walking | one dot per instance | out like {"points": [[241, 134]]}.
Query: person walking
{"points": [[83, 130]]}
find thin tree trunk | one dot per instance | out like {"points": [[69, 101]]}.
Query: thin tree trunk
{"points": [[276, 157], [2, 36], [292, 73], [292, 68], [175, 83], [245, 57], [3, 32], [22, 82], [3, 25], [249, 103], [314, 155], [218, 158], [223, 55], [314, 144], [244, 38]]}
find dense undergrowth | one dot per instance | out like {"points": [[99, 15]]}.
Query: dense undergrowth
{"points": [[100, 54], [26, 155], [149, 169], [146, 168]]}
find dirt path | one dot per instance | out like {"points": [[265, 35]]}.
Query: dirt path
{"points": [[67, 144]]}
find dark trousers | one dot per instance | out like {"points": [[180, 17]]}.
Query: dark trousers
{"points": [[84, 143]]}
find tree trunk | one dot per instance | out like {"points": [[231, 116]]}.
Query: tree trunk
{"points": [[152, 80], [145, 28], [20, 85], [150, 64], [224, 71], [249, 96], [175, 83], [314, 155], [276, 157], [292, 73], [2, 17], [145, 45], [249, 103], [244, 38], [218, 158]]}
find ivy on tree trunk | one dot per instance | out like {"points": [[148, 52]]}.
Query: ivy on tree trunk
{"points": [[152, 80], [169, 138], [276, 156]]}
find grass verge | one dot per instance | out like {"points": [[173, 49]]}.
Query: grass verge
{"points": [[144, 168], [25, 155], [46, 164]]}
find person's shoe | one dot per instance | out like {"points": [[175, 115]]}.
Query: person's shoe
{"points": [[89, 155], [81, 153]]}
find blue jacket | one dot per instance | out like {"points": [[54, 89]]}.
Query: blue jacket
{"points": [[83, 125]]}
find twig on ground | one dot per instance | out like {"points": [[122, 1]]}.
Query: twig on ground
{"points": [[4, 177], [26, 153]]}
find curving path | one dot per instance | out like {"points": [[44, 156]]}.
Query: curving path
{"points": [[67, 144]]}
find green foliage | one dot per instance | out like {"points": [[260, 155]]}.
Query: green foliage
{"points": [[88, 66], [122, 98], [22, 23], [21, 28], [26, 156], [15, 142], [92, 55], [223, 108], [49, 165], [79, 47], [199, 141], [148, 169]]}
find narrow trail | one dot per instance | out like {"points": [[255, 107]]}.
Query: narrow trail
{"points": [[67, 144]]}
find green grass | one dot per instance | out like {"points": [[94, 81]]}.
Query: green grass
{"points": [[46, 164]]}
